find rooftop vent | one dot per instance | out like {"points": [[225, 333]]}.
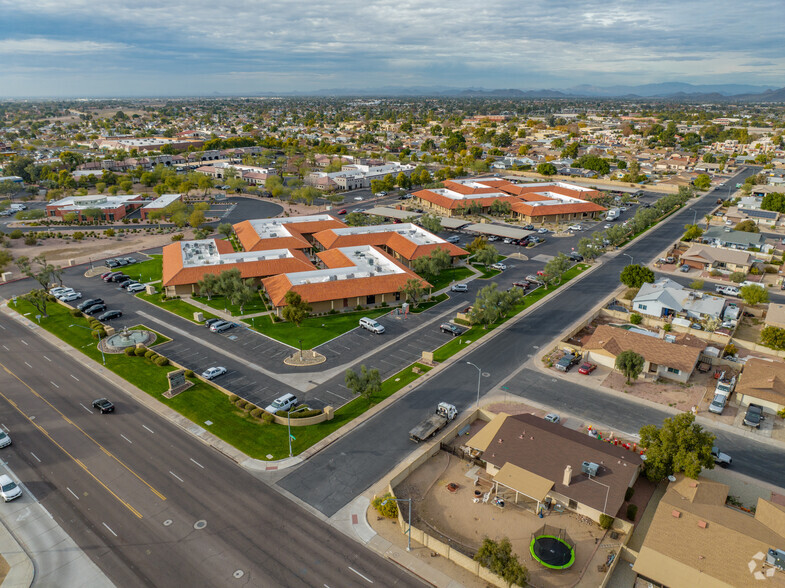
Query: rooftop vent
{"points": [[675, 514], [703, 524]]}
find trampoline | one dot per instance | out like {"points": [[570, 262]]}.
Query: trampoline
{"points": [[552, 552]]}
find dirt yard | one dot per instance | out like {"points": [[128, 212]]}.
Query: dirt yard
{"points": [[454, 517], [679, 396]]}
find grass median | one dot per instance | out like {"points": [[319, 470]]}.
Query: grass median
{"points": [[204, 403], [221, 303], [176, 306], [448, 276], [146, 271]]}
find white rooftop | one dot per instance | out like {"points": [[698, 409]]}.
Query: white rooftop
{"points": [[270, 228], [162, 201], [414, 233], [368, 262], [204, 252], [458, 196], [95, 201]]}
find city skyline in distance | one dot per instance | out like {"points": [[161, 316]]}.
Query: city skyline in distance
{"points": [[111, 49]]}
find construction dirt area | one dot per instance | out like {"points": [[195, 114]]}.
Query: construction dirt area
{"points": [[448, 505]]}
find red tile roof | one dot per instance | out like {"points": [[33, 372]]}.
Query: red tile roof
{"points": [[251, 241], [393, 240]]}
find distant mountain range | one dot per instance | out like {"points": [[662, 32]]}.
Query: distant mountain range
{"points": [[666, 91]]}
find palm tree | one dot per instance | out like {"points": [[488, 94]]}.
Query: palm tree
{"points": [[708, 221]]}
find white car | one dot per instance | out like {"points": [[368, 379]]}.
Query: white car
{"points": [[459, 288], [507, 241], [8, 488], [499, 266], [136, 288], [213, 372], [575, 228], [358, 198], [64, 293], [552, 417], [5, 439], [543, 231], [69, 296]]}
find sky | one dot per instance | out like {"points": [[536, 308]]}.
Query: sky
{"points": [[54, 48]]}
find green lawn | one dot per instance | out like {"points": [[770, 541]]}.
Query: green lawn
{"points": [[450, 275], [314, 330], [432, 302], [178, 307], [147, 271], [221, 303], [203, 402], [474, 333], [486, 271]]}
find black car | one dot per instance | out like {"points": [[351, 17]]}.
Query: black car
{"points": [[108, 277], [211, 321], [450, 328], [110, 314], [95, 309], [567, 361], [117, 278], [125, 283], [575, 256], [89, 302], [754, 416], [528, 228], [103, 405]]}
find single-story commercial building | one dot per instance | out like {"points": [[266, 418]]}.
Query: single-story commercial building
{"points": [[112, 208], [294, 232], [707, 258], [695, 540], [159, 203], [762, 382], [532, 460], [674, 360], [185, 263], [362, 275]]}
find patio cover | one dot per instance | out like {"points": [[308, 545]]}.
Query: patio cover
{"points": [[522, 481]]}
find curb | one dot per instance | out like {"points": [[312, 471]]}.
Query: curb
{"points": [[22, 572]]}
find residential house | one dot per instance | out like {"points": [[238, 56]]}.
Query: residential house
{"points": [[707, 258], [762, 382], [532, 461], [674, 360], [668, 298], [695, 539], [726, 237], [775, 317]]}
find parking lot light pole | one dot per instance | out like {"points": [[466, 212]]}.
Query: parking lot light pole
{"points": [[103, 357], [409, 530], [479, 377], [289, 425]]}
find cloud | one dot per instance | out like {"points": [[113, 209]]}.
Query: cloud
{"points": [[44, 46]]}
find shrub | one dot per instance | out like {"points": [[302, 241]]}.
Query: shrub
{"points": [[96, 334], [129, 351], [306, 413], [177, 237], [359, 307], [332, 311], [387, 509], [730, 349], [233, 398], [75, 312], [636, 319], [256, 412], [30, 239], [628, 493], [267, 418], [737, 277], [241, 403], [51, 298], [140, 351], [149, 353], [78, 236], [632, 511], [769, 269], [606, 521], [754, 271], [16, 234], [190, 374], [667, 328], [161, 360]]}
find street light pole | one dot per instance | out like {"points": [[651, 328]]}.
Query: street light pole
{"points": [[289, 425], [103, 357], [479, 376], [409, 530]]}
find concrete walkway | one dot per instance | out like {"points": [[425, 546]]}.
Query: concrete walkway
{"points": [[39, 551]]}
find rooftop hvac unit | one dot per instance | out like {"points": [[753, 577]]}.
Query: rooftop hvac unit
{"points": [[590, 468], [273, 234], [670, 338], [776, 558]]}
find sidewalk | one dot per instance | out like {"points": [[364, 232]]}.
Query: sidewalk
{"points": [[39, 551]]}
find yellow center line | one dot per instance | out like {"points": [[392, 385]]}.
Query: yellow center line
{"points": [[74, 459], [69, 421]]}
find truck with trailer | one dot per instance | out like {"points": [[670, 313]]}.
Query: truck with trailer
{"points": [[433, 424]]}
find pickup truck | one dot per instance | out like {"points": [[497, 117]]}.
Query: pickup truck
{"points": [[567, 361], [433, 424], [720, 458]]}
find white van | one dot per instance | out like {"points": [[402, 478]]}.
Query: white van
{"points": [[371, 325]]}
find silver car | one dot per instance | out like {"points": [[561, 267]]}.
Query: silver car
{"points": [[8, 488]]}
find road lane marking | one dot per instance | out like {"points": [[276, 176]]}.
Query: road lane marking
{"points": [[28, 365], [359, 574], [46, 358], [74, 377], [87, 409], [6, 429], [110, 530], [196, 462], [53, 384], [72, 492], [81, 430], [23, 341], [127, 439], [149, 429], [176, 476], [35, 456], [6, 348]]}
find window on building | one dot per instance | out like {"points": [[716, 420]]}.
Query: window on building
{"points": [[641, 307], [673, 370]]}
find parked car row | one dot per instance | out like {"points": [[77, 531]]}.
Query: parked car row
{"points": [[120, 262], [122, 281]]}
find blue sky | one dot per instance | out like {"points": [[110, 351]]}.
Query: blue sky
{"points": [[152, 47]]}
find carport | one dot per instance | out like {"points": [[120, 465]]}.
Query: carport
{"points": [[452, 224], [523, 482], [504, 231], [393, 213]]}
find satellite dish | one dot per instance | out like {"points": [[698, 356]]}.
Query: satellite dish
{"points": [[672, 478]]}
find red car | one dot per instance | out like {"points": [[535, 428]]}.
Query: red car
{"points": [[342, 211], [587, 368], [540, 273]]}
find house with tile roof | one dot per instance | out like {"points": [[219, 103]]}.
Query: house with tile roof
{"points": [[185, 263], [362, 275], [294, 232], [544, 202], [674, 359], [532, 460], [403, 241], [704, 257], [762, 382], [695, 539]]}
